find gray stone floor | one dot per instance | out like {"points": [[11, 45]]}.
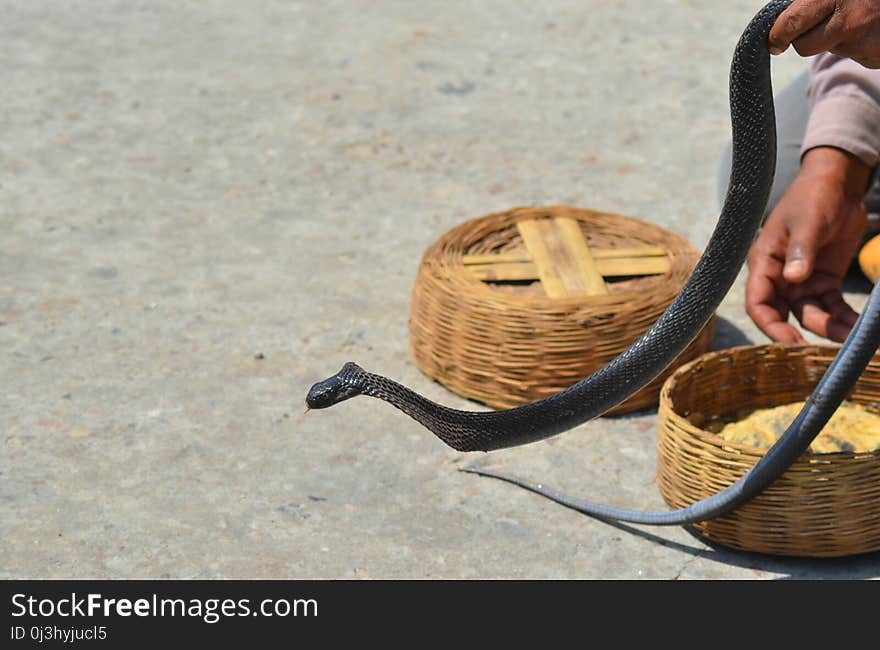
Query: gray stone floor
{"points": [[208, 206]]}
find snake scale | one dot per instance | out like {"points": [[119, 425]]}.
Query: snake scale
{"points": [[751, 179]]}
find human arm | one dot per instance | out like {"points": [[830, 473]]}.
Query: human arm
{"points": [[818, 222]]}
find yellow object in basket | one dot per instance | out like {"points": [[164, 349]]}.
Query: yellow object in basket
{"points": [[869, 258], [852, 428]]}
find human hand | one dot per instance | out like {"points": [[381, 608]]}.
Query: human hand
{"points": [[798, 262], [847, 28]]}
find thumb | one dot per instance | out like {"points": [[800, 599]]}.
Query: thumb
{"points": [[800, 254]]}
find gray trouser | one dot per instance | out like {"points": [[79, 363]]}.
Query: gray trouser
{"points": [[792, 112]]}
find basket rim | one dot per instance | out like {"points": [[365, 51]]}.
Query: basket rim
{"points": [[666, 411]]}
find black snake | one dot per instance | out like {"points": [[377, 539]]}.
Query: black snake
{"points": [[751, 179]]}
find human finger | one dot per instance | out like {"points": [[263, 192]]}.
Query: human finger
{"points": [[800, 252], [812, 315], [838, 307], [800, 17], [769, 320], [818, 284], [764, 304], [824, 37]]}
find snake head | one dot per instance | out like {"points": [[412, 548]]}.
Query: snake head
{"points": [[343, 385]]}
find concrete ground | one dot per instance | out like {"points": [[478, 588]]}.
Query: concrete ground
{"points": [[208, 206]]}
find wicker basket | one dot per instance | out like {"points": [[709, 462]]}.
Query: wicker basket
{"points": [[825, 505], [510, 343]]}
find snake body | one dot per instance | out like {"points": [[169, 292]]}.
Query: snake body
{"points": [[751, 179]]}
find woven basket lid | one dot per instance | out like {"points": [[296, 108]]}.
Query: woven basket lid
{"points": [[516, 306]]}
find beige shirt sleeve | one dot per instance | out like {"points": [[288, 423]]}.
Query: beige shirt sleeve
{"points": [[844, 108]]}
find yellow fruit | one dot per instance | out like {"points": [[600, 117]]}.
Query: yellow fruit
{"points": [[869, 258]]}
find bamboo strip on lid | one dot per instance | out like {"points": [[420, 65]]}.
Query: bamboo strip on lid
{"points": [[519, 305]]}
